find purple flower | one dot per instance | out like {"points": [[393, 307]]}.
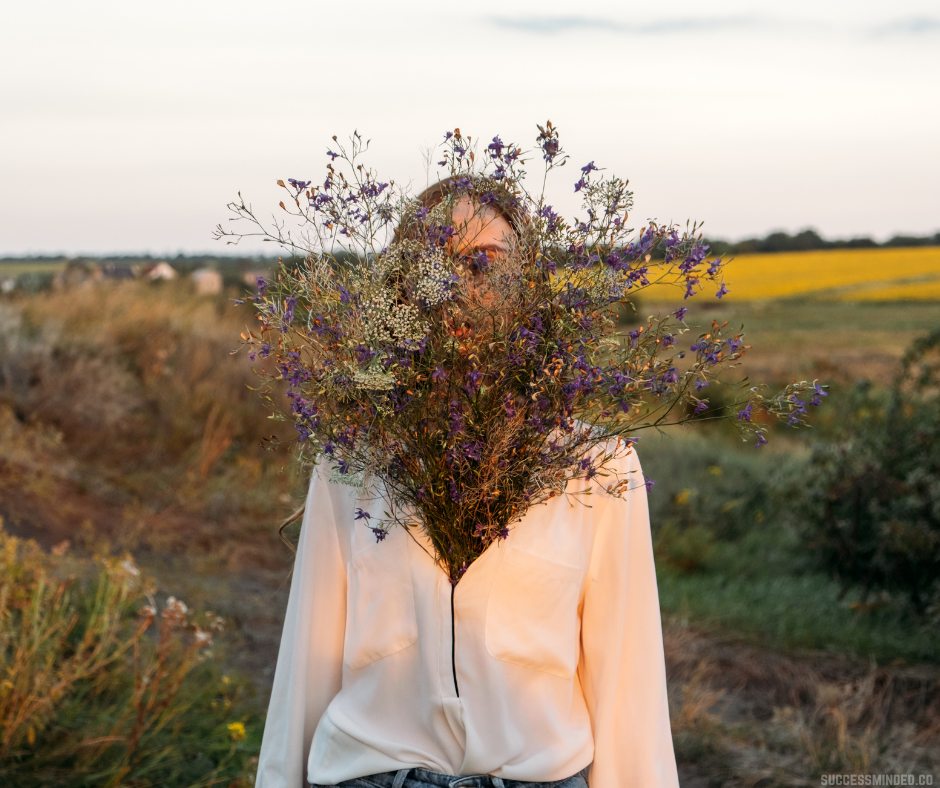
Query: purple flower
{"points": [[473, 380], [586, 169], [421, 213], [380, 534], [648, 482], [745, 414], [361, 515], [262, 285], [817, 394], [761, 440], [455, 494], [550, 149], [680, 312], [299, 185], [713, 267], [722, 291], [701, 405], [438, 233], [496, 148], [799, 411], [456, 418], [700, 384], [343, 466], [439, 374], [669, 340], [503, 533], [333, 156], [289, 309], [480, 261], [472, 450], [553, 220]]}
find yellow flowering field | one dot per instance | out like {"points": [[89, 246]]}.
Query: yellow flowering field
{"points": [[911, 274]]}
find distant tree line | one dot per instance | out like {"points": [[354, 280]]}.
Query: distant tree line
{"points": [[803, 241], [809, 240]]}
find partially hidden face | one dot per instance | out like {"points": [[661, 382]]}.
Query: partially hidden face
{"points": [[480, 229]]}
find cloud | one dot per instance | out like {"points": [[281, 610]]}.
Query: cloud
{"points": [[567, 24], [917, 25], [555, 24]]}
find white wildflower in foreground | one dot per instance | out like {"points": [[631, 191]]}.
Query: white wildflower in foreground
{"points": [[349, 479], [390, 323], [374, 380], [433, 287]]}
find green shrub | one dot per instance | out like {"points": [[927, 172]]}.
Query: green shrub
{"points": [[870, 501], [687, 550], [705, 480], [100, 688]]}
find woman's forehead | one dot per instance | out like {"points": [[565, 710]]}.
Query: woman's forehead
{"points": [[481, 227]]}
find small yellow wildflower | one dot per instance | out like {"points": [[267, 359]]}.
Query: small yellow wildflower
{"points": [[237, 730], [683, 498]]}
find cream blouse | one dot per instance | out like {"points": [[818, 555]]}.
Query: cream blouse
{"points": [[554, 660]]}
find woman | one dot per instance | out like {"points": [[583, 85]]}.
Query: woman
{"points": [[543, 666]]}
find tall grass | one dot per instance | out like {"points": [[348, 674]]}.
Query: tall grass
{"points": [[103, 686], [140, 383]]}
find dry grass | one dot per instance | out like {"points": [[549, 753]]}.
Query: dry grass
{"points": [[124, 403], [743, 716]]}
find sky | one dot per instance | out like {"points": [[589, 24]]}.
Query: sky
{"points": [[127, 127]]}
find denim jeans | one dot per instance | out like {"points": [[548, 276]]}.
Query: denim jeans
{"points": [[425, 778]]}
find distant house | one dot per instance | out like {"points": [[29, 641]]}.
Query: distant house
{"points": [[120, 272], [207, 281], [79, 272], [161, 270]]}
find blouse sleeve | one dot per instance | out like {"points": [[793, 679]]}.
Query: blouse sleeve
{"points": [[622, 669], [310, 660]]}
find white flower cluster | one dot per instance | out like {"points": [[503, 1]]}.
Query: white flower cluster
{"points": [[607, 285], [433, 286], [388, 323], [349, 479], [377, 381]]}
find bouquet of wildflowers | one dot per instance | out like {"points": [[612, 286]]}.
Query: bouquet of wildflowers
{"points": [[462, 383]]}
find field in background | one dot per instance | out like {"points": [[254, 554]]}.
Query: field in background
{"points": [[125, 424], [842, 274]]}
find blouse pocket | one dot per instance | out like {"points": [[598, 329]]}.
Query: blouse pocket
{"points": [[380, 605], [532, 615]]}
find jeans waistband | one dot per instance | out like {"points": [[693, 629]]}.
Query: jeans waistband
{"points": [[441, 780]]}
